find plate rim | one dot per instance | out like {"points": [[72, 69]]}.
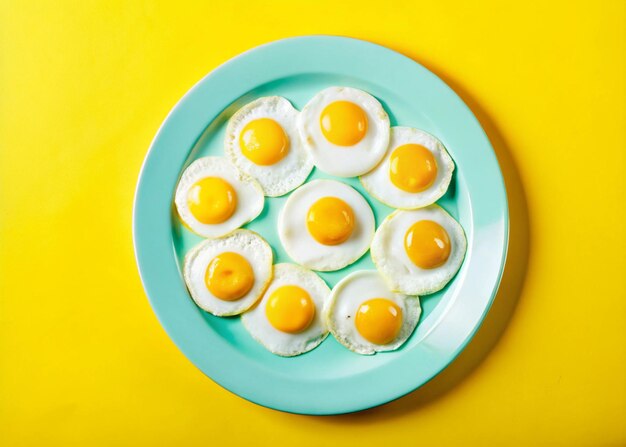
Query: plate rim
{"points": [[138, 226]]}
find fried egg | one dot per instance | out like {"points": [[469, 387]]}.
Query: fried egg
{"points": [[213, 197], [346, 131], [326, 225], [227, 275], [419, 252], [288, 319], [415, 172], [366, 317], [262, 139]]}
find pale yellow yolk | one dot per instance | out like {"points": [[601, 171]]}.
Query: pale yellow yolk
{"points": [[379, 320], [264, 142], [412, 168], [427, 244], [229, 276], [343, 123], [290, 309], [330, 221], [212, 200]]}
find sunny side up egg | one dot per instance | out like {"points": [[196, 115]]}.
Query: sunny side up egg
{"points": [[418, 252], [365, 316], [262, 139], [227, 275], [415, 172], [288, 319], [326, 225], [213, 197], [346, 131]]}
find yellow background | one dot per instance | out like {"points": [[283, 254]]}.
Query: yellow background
{"points": [[85, 86]]}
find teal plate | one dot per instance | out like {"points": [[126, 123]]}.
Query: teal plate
{"points": [[329, 379]]}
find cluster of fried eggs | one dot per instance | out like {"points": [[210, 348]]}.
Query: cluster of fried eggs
{"points": [[324, 225]]}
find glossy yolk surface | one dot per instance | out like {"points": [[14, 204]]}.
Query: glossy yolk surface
{"points": [[379, 320], [427, 244], [343, 123], [212, 200], [412, 168], [330, 221], [290, 309], [264, 142], [229, 276]]}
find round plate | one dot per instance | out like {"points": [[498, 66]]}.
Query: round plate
{"points": [[329, 379]]}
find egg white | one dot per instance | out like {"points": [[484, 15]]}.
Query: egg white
{"points": [[345, 161], [282, 343], [243, 242], [346, 297], [285, 175], [303, 248], [393, 262], [378, 183], [250, 198]]}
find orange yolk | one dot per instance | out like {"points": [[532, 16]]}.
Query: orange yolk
{"points": [[379, 320], [412, 168], [264, 142], [343, 123], [212, 200], [229, 276], [330, 221], [290, 309], [427, 244]]}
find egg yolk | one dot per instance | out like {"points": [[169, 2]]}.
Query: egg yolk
{"points": [[379, 320], [212, 200], [290, 309], [412, 168], [427, 244], [229, 276], [330, 221], [343, 123], [264, 142]]}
